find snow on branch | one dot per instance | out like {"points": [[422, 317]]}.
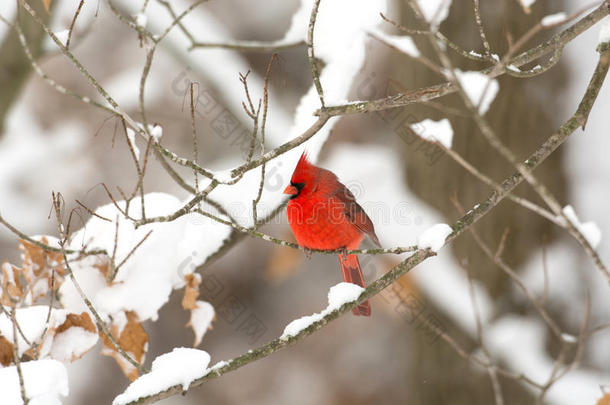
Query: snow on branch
{"points": [[338, 296]]}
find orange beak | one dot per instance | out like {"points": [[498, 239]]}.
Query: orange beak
{"points": [[292, 190]]}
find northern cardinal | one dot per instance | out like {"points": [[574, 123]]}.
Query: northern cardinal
{"points": [[324, 214]]}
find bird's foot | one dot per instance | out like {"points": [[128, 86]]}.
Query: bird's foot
{"points": [[308, 253], [343, 253]]}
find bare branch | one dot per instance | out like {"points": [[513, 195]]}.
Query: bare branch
{"points": [[310, 52]]}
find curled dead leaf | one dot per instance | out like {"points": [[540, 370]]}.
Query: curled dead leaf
{"points": [[132, 338], [41, 270], [191, 291], [34, 257], [11, 286], [73, 320], [6, 351]]}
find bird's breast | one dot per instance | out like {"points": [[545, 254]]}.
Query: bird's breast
{"points": [[322, 224]]}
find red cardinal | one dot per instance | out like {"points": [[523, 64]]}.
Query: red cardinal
{"points": [[324, 214]]}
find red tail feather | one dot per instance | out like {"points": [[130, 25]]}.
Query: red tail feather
{"points": [[352, 273]]}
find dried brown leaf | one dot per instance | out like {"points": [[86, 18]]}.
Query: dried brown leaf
{"points": [[47, 4], [191, 291], [103, 265], [40, 266], [34, 257], [133, 339], [74, 320], [11, 286], [6, 351]]}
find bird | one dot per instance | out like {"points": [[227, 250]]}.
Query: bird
{"points": [[323, 214]]}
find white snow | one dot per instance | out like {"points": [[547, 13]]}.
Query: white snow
{"points": [[44, 382], [480, 89], [218, 365], [65, 346], [434, 11], [338, 295], [434, 237], [402, 42], [72, 344], [141, 20], [527, 3], [181, 366], [201, 318], [32, 321], [553, 19], [145, 281], [342, 50], [569, 338], [589, 230], [604, 32], [156, 131], [435, 131], [62, 36]]}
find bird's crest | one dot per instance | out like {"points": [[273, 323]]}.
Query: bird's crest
{"points": [[304, 161], [304, 168]]}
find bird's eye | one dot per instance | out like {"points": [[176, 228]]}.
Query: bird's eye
{"points": [[299, 187]]}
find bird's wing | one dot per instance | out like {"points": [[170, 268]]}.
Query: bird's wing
{"points": [[355, 213]]}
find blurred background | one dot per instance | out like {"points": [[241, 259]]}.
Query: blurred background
{"points": [[50, 141]]}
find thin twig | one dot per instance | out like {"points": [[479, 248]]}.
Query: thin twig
{"points": [[46, 247], [262, 142], [17, 359], [248, 46], [479, 21], [194, 132], [80, 6], [310, 52], [131, 252], [491, 368]]}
